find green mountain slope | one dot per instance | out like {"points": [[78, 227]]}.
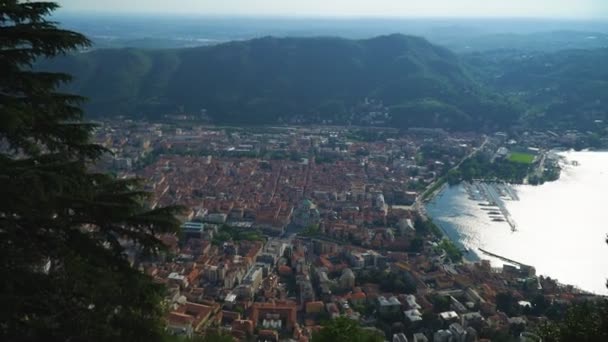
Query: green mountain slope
{"points": [[272, 79], [564, 89]]}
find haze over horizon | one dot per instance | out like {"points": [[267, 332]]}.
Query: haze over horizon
{"points": [[549, 9]]}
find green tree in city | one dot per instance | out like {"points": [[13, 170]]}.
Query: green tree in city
{"points": [[585, 322], [65, 274], [211, 336], [343, 329]]}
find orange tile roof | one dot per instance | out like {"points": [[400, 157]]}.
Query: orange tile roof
{"points": [[358, 296], [178, 318]]}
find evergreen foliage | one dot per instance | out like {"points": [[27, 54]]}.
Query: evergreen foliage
{"points": [[65, 275]]}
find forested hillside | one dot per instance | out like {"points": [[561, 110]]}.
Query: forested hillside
{"points": [[565, 89], [312, 80], [271, 80]]}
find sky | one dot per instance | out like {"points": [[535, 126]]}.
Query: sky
{"points": [[575, 9]]}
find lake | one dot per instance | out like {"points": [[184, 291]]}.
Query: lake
{"points": [[560, 227]]}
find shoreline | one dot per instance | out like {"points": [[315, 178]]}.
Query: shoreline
{"points": [[476, 254], [440, 210]]}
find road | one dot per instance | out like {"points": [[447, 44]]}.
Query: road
{"points": [[538, 172]]}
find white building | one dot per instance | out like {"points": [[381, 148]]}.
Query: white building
{"points": [[400, 337], [411, 302], [442, 336], [413, 315]]}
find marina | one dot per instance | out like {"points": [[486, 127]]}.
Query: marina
{"points": [[491, 197], [560, 225]]}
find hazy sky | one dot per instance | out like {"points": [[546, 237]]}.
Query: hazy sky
{"points": [[405, 8]]}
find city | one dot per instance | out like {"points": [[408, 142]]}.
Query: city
{"points": [[286, 227], [303, 170]]}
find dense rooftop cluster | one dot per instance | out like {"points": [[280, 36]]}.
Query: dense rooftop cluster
{"points": [[289, 227]]}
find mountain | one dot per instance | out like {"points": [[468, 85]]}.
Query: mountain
{"points": [[564, 89], [269, 80]]}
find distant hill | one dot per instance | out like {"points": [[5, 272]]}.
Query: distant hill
{"points": [[550, 41], [269, 80], [564, 89], [457, 34]]}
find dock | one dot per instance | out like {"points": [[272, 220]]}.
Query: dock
{"points": [[490, 193], [511, 261]]}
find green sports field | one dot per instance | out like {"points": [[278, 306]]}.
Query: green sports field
{"points": [[523, 158]]}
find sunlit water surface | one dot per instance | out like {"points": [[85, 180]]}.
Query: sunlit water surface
{"points": [[561, 225]]}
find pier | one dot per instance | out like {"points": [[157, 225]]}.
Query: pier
{"points": [[511, 261], [492, 194]]}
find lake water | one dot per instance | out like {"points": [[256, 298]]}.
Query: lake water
{"points": [[561, 226]]}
